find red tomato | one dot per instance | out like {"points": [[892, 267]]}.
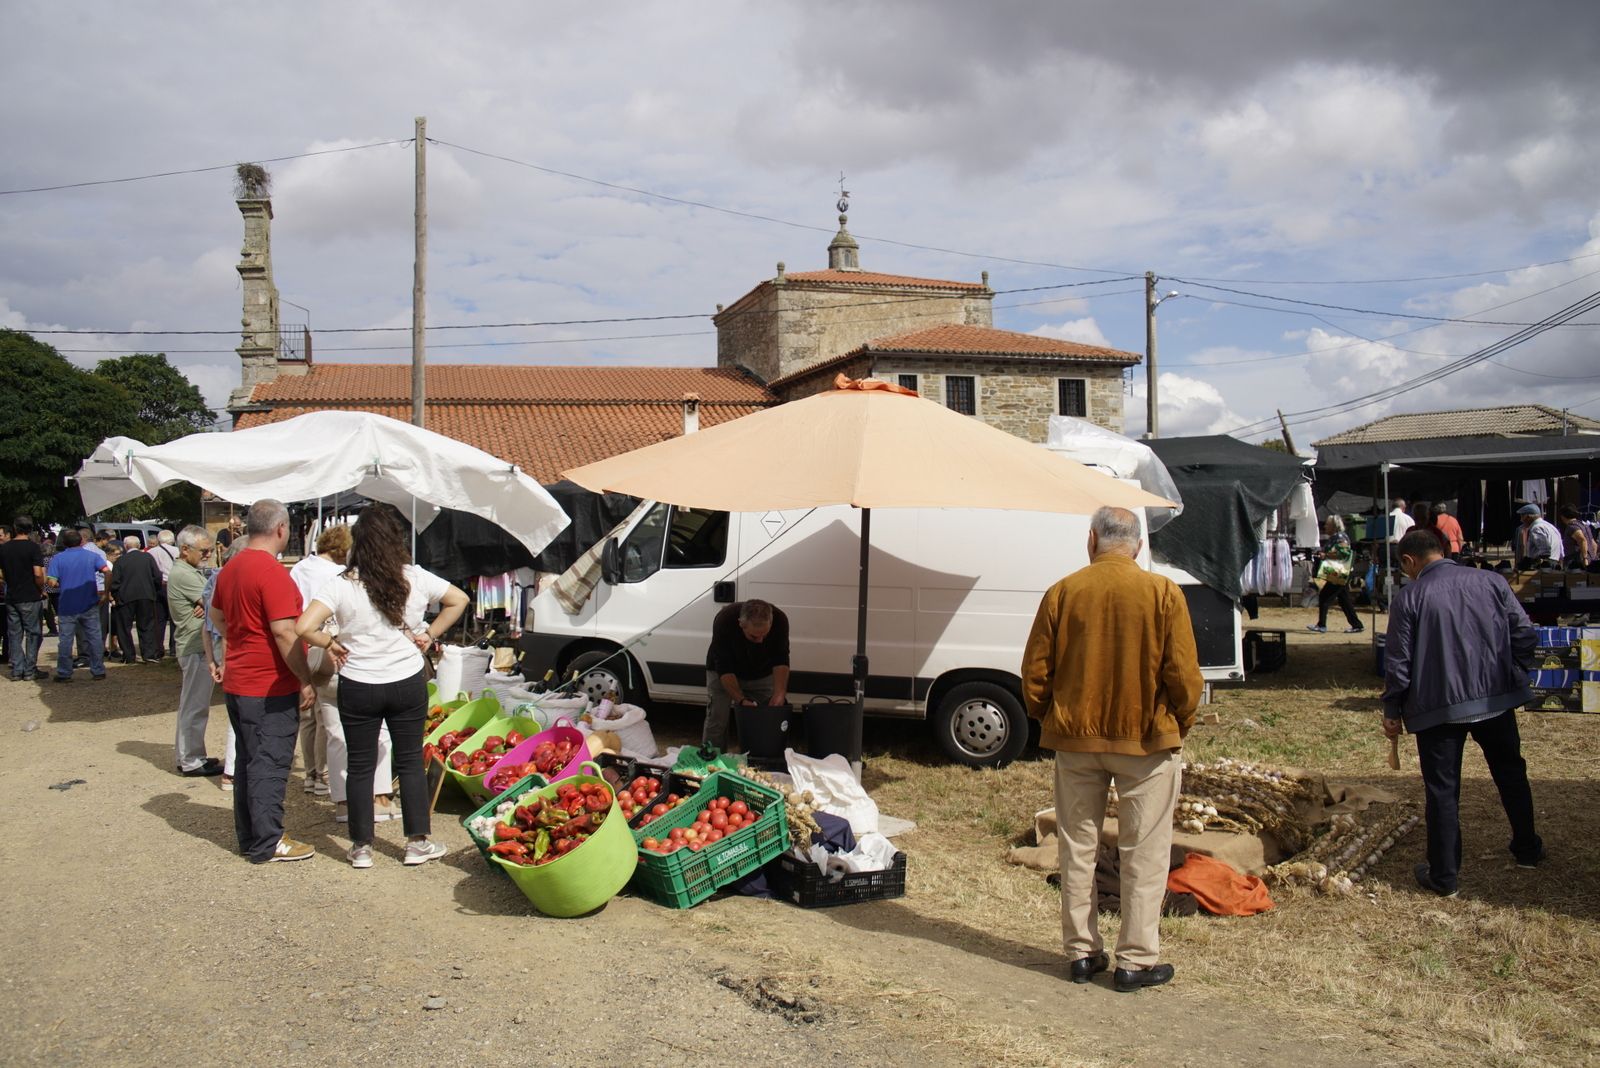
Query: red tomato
{"points": [[649, 843], [738, 808], [658, 810], [719, 820], [677, 833], [695, 847], [713, 835]]}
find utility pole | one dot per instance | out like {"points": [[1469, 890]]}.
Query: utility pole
{"points": [[419, 288], [1288, 442], [1152, 428]]}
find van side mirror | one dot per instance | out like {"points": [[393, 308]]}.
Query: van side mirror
{"points": [[611, 563]]}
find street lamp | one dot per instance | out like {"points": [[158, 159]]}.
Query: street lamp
{"points": [[1151, 303]]}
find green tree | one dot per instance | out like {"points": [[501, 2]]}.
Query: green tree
{"points": [[1275, 444], [53, 416], [167, 406]]}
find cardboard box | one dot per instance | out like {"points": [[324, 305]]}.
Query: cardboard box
{"points": [[1569, 699]]}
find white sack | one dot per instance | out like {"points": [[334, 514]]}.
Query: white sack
{"points": [[834, 786]]}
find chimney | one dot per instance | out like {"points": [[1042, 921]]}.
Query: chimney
{"points": [[258, 346], [691, 412]]}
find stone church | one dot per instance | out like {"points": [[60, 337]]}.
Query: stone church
{"points": [[787, 338]]}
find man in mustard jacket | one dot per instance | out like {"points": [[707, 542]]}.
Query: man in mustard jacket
{"points": [[1110, 671]]}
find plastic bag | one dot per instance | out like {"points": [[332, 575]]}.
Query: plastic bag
{"points": [[834, 786]]}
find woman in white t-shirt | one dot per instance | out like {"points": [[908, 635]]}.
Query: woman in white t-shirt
{"points": [[378, 602]]}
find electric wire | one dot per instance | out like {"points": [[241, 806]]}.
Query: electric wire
{"points": [[202, 170], [1580, 307], [1393, 281], [1354, 311]]}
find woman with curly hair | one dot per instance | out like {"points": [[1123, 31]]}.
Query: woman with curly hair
{"points": [[378, 602]]}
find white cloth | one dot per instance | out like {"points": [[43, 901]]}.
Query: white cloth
{"points": [[380, 651], [835, 788], [339, 750], [311, 574], [323, 453], [1400, 522]]}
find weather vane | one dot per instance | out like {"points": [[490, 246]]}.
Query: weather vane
{"points": [[844, 195]]}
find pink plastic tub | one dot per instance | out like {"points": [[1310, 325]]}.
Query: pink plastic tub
{"points": [[523, 752]]}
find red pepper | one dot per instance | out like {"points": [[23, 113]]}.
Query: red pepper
{"points": [[504, 832], [508, 849]]}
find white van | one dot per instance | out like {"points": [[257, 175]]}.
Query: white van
{"points": [[953, 595]]}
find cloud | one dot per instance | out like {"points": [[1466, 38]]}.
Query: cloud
{"points": [[1188, 406], [1085, 331]]}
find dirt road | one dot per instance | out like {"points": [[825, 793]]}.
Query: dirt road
{"points": [[136, 935]]}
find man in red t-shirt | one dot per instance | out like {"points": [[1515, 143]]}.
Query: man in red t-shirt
{"points": [[265, 680]]}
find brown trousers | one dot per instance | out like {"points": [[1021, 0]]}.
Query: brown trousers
{"points": [[1147, 792]]}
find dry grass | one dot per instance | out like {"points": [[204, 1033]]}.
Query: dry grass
{"points": [[1503, 975]]}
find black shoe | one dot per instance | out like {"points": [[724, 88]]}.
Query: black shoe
{"points": [[82, 661], [1425, 880], [98, 678], [212, 766], [1535, 862], [63, 678], [1086, 968], [1127, 980]]}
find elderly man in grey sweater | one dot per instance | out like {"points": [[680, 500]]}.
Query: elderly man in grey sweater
{"points": [[1457, 657]]}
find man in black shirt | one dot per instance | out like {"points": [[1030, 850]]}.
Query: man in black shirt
{"points": [[22, 562], [747, 663], [135, 583]]}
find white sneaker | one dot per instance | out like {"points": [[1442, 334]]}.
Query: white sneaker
{"points": [[385, 811], [311, 783], [341, 812], [320, 788], [360, 856], [424, 851]]}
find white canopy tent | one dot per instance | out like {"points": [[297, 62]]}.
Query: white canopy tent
{"points": [[321, 454]]}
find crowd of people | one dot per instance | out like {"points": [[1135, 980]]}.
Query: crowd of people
{"points": [[329, 656]]}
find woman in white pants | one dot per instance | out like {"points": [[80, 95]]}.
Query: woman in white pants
{"points": [[322, 742]]}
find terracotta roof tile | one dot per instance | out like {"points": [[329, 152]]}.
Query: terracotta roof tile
{"points": [[1465, 423], [958, 340], [873, 278], [544, 439], [358, 384]]}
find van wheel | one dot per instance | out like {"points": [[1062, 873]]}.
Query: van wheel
{"points": [[603, 671], [981, 725]]}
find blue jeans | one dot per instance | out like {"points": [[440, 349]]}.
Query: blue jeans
{"points": [[22, 631], [86, 626], [266, 729]]}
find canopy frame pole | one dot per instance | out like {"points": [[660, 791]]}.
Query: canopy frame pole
{"points": [[858, 663], [1388, 552]]}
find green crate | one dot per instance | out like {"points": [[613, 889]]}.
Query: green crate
{"points": [[520, 787], [685, 878]]}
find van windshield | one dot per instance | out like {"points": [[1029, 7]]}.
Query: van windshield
{"points": [[641, 552], [674, 538]]}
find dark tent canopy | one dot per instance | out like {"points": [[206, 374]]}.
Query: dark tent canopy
{"points": [[1435, 466], [1228, 488], [459, 545]]}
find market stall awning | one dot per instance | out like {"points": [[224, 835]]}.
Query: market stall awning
{"points": [[1430, 463], [324, 453], [1229, 487]]}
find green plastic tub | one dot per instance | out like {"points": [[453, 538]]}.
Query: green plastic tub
{"points": [[473, 785], [532, 782], [591, 874], [470, 716]]}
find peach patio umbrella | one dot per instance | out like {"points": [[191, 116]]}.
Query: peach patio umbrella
{"points": [[864, 443]]}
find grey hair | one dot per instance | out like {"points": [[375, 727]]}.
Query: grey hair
{"points": [[264, 517], [1115, 527], [192, 537], [164, 537], [1335, 524], [755, 613], [132, 542]]}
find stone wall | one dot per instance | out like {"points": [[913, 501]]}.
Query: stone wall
{"points": [[786, 326], [1017, 396], [258, 347], [747, 335]]}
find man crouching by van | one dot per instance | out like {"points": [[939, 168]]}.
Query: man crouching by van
{"points": [[747, 663], [1111, 671]]}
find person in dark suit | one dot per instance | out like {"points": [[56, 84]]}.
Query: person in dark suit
{"points": [[135, 584]]}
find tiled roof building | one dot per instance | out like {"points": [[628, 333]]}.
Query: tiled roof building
{"points": [[1514, 420]]}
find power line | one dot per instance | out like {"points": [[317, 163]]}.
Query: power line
{"points": [[1354, 311], [769, 218], [199, 170], [1394, 281], [581, 322], [1579, 307]]}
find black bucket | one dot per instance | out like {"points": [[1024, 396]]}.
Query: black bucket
{"points": [[765, 732], [829, 727]]}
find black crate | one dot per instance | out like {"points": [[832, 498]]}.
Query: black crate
{"points": [[803, 883], [672, 782], [1265, 651]]}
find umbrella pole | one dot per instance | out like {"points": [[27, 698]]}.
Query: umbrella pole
{"points": [[858, 663]]}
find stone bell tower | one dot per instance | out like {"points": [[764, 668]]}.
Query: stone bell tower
{"points": [[258, 347]]}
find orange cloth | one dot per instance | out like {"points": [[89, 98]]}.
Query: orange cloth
{"points": [[844, 381], [1219, 889]]}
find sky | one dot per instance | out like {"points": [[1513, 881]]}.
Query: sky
{"points": [[1401, 169]]}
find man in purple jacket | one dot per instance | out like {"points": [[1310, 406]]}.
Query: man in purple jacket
{"points": [[1457, 658]]}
